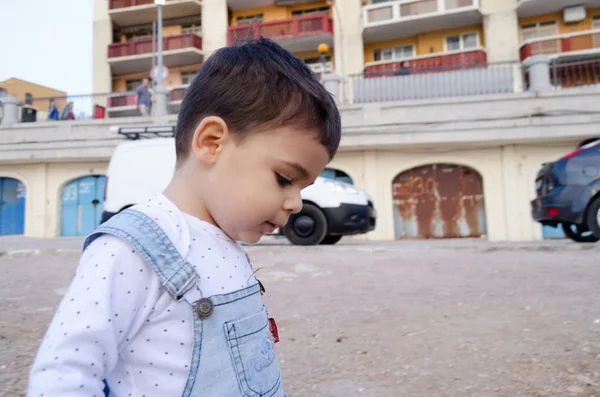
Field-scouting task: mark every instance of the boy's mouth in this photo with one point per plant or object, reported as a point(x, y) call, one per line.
point(270, 227)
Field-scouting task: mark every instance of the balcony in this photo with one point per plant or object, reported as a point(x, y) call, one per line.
point(295, 34)
point(570, 46)
point(139, 12)
point(453, 80)
point(527, 8)
point(136, 55)
point(401, 18)
point(124, 104)
point(428, 62)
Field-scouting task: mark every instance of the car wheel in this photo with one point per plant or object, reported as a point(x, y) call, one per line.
point(578, 233)
point(308, 227)
point(593, 218)
point(330, 240)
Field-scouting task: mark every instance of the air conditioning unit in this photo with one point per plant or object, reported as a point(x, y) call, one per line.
point(574, 14)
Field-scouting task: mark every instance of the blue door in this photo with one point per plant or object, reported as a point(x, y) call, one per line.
point(82, 203)
point(549, 232)
point(12, 207)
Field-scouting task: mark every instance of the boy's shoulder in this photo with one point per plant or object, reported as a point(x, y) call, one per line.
point(169, 220)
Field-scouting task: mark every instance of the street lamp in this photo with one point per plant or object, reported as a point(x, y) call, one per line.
point(160, 92)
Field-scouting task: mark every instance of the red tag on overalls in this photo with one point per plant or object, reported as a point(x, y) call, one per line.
point(274, 331)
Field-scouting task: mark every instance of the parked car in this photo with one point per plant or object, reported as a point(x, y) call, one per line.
point(568, 193)
point(141, 168)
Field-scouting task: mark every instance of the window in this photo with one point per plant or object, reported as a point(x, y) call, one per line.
point(538, 30)
point(187, 77)
point(310, 11)
point(462, 42)
point(596, 22)
point(193, 28)
point(131, 85)
point(392, 53)
point(250, 19)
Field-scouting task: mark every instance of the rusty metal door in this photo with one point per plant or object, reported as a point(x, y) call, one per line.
point(439, 201)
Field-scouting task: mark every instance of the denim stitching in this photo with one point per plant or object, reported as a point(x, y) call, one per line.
point(242, 375)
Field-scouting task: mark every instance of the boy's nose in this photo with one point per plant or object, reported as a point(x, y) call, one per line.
point(293, 204)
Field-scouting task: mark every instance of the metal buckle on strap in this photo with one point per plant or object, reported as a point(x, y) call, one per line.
point(178, 295)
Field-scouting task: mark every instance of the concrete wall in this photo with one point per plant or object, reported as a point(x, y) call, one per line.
point(348, 39)
point(501, 30)
point(508, 174)
point(102, 81)
point(44, 183)
point(214, 26)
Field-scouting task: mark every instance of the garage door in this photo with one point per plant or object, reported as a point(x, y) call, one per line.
point(12, 206)
point(439, 201)
point(81, 205)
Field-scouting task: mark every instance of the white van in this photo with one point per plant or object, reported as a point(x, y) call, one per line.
point(141, 168)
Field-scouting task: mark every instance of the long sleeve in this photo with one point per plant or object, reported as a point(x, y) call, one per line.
point(107, 301)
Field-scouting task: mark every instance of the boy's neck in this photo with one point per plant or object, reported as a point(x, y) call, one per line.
point(181, 193)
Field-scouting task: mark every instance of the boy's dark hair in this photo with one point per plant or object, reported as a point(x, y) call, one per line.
point(257, 85)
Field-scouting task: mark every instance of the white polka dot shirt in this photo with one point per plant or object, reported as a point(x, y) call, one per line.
point(116, 321)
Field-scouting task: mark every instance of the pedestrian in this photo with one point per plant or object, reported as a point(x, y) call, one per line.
point(143, 97)
point(404, 70)
point(165, 301)
point(67, 113)
point(53, 110)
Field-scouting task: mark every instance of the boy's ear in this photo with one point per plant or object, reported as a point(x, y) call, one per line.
point(209, 139)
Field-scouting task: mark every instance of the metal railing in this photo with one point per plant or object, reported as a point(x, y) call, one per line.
point(564, 75)
point(395, 11)
point(93, 106)
point(144, 46)
point(435, 60)
point(568, 42)
point(285, 28)
point(114, 4)
point(438, 82)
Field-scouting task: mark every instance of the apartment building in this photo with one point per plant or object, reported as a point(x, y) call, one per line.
point(440, 123)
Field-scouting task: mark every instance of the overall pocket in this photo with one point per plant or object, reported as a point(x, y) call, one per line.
point(253, 356)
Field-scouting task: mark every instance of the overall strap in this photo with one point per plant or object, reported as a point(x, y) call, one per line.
point(148, 239)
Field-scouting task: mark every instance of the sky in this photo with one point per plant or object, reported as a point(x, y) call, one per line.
point(48, 42)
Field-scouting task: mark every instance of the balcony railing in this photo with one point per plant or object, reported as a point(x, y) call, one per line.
point(144, 46)
point(570, 42)
point(428, 62)
point(286, 28)
point(114, 4)
point(395, 11)
point(435, 82)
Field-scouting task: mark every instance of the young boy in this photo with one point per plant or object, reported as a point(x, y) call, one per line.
point(164, 302)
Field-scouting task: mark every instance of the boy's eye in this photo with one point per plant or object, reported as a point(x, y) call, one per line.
point(282, 180)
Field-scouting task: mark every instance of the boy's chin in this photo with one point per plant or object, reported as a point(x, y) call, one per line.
point(250, 237)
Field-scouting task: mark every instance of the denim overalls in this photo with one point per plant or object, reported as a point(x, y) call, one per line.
point(233, 351)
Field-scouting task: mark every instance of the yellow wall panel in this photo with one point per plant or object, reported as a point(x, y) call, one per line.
point(426, 43)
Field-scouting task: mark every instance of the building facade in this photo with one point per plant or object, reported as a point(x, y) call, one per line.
point(445, 122)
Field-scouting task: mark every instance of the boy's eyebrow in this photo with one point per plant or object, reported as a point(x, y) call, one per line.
point(301, 170)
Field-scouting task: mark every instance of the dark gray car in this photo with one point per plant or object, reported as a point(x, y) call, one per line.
point(568, 193)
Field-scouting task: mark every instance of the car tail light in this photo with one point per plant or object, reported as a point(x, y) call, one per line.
point(552, 211)
point(580, 149)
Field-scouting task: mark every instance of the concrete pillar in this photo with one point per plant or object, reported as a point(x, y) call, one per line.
point(538, 67)
point(102, 76)
point(501, 30)
point(11, 109)
point(214, 25)
point(348, 40)
point(331, 82)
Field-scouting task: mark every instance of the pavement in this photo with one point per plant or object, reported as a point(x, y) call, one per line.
point(376, 319)
point(20, 245)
